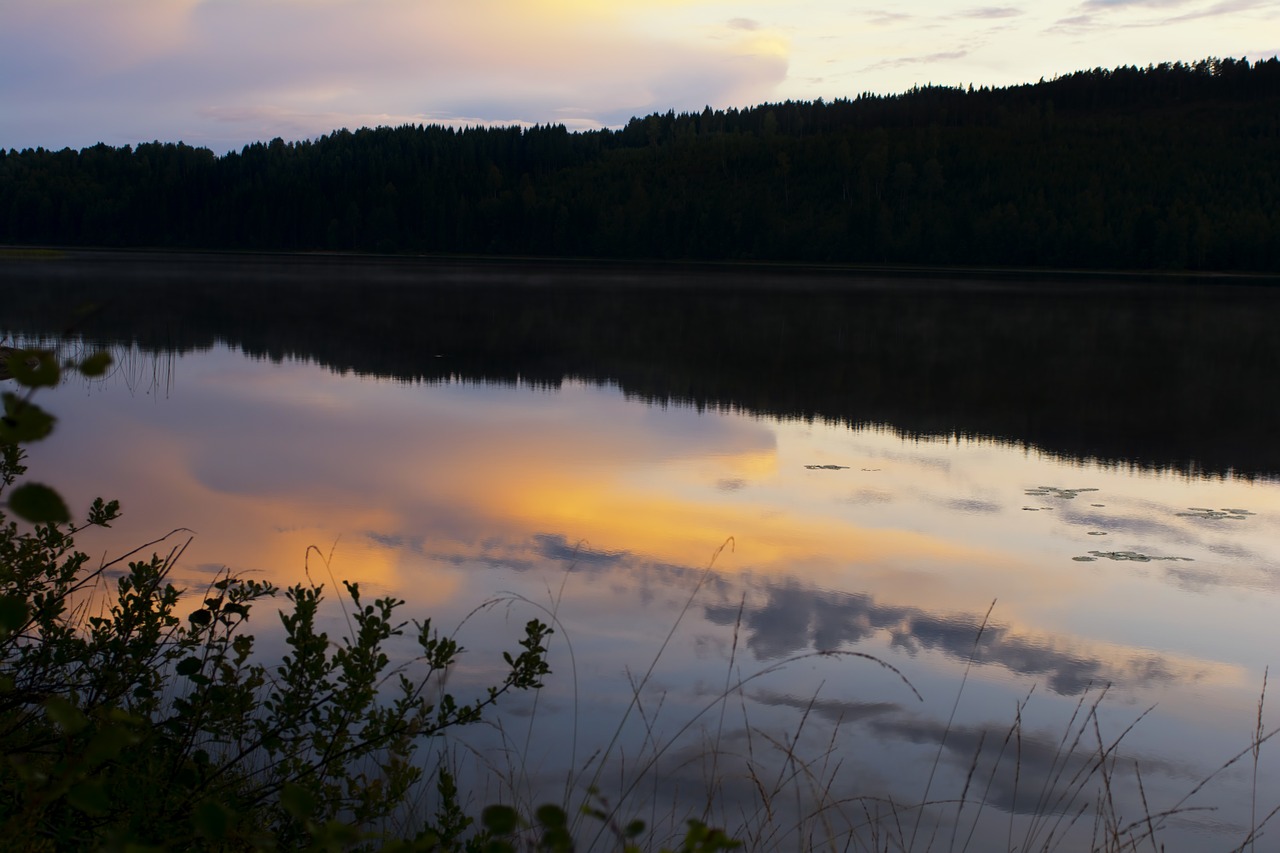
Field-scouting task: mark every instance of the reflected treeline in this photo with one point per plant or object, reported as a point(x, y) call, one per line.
point(1175, 376)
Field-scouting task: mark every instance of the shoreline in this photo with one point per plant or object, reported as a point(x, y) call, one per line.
point(532, 270)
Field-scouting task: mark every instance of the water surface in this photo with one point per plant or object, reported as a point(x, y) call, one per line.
point(1097, 524)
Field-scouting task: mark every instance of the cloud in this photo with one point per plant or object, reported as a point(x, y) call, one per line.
point(225, 72)
point(990, 12)
point(793, 619)
point(924, 59)
point(833, 710)
point(1094, 14)
point(971, 506)
point(885, 17)
point(1074, 22)
point(224, 68)
point(556, 547)
point(1030, 773)
point(1231, 7)
point(1123, 4)
point(1247, 567)
point(869, 496)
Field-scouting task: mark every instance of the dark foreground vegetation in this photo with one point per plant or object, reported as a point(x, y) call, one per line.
point(134, 718)
point(1174, 166)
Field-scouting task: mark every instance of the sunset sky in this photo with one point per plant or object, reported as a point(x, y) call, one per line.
point(222, 73)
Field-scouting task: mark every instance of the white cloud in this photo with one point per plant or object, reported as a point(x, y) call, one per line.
point(224, 72)
point(304, 67)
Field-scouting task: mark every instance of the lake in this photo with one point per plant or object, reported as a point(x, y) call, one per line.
point(875, 558)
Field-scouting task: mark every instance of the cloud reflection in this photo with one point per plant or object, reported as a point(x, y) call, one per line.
point(833, 710)
point(1021, 771)
point(794, 619)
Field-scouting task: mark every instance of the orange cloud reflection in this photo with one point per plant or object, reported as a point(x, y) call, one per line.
point(416, 489)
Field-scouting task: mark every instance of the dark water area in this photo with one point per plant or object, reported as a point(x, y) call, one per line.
point(1161, 373)
point(1157, 373)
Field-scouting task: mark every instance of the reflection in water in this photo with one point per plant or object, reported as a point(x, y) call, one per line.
point(793, 619)
point(606, 511)
point(1162, 374)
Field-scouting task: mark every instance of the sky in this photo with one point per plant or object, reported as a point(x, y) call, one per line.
point(224, 73)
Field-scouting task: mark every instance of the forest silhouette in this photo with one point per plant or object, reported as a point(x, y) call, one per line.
point(1166, 167)
point(1161, 374)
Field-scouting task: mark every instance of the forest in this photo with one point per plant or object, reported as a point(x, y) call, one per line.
point(1168, 167)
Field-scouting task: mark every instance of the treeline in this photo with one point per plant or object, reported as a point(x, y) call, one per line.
point(1174, 166)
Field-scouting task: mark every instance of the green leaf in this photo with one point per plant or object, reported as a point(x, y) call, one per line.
point(558, 840)
point(551, 816)
point(13, 614)
point(102, 514)
point(190, 666)
point(34, 368)
point(500, 820)
point(65, 715)
point(335, 835)
point(38, 504)
point(495, 845)
point(107, 743)
point(96, 364)
point(201, 617)
point(211, 820)
point(90, 798)
point(23, 421)
point(297, 801)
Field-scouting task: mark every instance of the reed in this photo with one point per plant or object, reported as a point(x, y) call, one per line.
point(771, 793)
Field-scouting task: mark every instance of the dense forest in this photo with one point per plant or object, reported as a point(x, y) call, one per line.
point(1175, 166)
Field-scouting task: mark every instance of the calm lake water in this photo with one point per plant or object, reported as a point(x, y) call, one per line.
point(813, 543)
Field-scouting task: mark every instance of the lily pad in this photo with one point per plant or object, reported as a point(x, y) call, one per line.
point(1215, 514)
point(826, 467)
point(1131, 556)
point(1056, 492)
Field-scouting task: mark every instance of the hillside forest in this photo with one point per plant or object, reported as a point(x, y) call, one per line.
point(1175, 166)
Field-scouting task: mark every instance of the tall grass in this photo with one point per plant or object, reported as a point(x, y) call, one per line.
point(787, 789)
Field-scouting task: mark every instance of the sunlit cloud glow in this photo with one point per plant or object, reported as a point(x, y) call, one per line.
point(226, 72)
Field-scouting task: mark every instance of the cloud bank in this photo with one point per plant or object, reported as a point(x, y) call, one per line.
point(223, 73)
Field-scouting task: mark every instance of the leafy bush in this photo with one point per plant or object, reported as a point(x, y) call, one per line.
point(129, 725)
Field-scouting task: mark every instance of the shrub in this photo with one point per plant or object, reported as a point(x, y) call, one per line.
point(129, 725)
point(125, 725)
